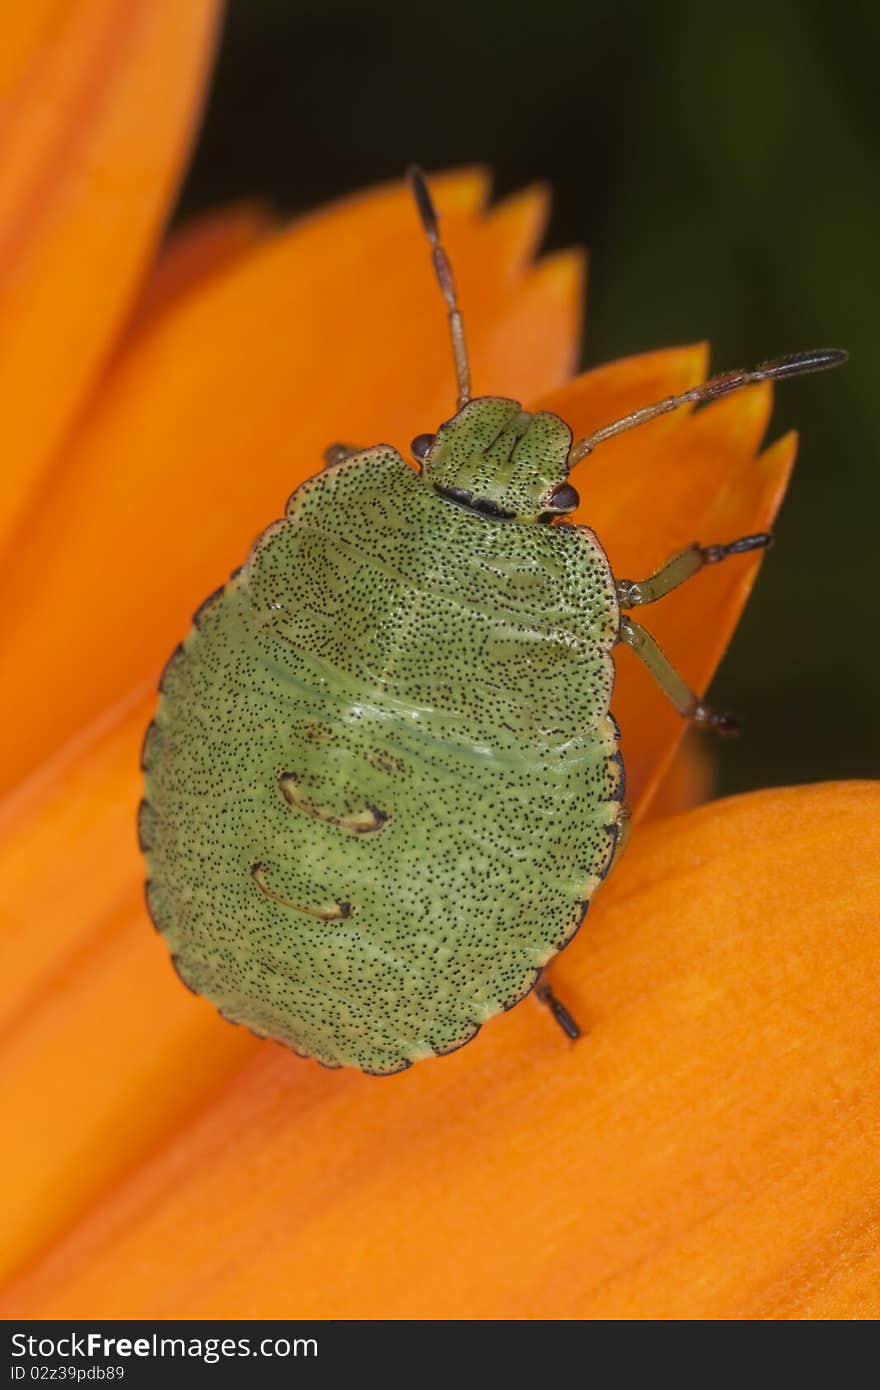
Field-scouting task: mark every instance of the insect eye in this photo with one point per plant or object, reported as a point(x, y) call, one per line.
point(421, 446)
point(564, 498)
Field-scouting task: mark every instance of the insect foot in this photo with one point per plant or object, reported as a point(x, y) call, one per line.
point(545, 994)
point(727, 725)
point(338, 453)
point(713, 553)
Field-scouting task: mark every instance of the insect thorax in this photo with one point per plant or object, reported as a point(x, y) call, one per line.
point(407, 597)
point(497, 458)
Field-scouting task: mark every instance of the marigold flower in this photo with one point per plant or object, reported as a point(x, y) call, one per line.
point(703, 1151)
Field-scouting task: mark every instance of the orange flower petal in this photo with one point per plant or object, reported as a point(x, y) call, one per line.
point(702, 1153)
point(200, 248)
point(210, 418)
point(98, 100)
point(90, 1114)
point(651, 492)
point(689, 779)
point(27, 30)
point(94, 1024)
point(69, 857)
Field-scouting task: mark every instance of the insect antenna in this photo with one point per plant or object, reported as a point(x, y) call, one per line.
point(443, 271)
point(795, 364)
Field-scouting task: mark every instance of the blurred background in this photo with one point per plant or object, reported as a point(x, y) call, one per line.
point(721, 164)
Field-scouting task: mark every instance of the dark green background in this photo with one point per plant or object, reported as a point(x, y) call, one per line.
point(721, 164)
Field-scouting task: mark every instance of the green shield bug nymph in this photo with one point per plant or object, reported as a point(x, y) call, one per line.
point(382, 781)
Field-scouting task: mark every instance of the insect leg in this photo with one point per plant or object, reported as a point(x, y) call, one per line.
point(557, 1009)
point(336, 453)
point(689, 705)
point(632, 593)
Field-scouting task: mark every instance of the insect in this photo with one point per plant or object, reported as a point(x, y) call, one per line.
point(382, 782)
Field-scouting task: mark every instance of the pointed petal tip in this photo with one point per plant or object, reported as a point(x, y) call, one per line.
point(524, 215)
point(737, 423)
point(563, 273)
point(199, 248)
point(467, 188)
point(777, 462)
point(474, 176)
point(786, 445)
point(604, 393)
